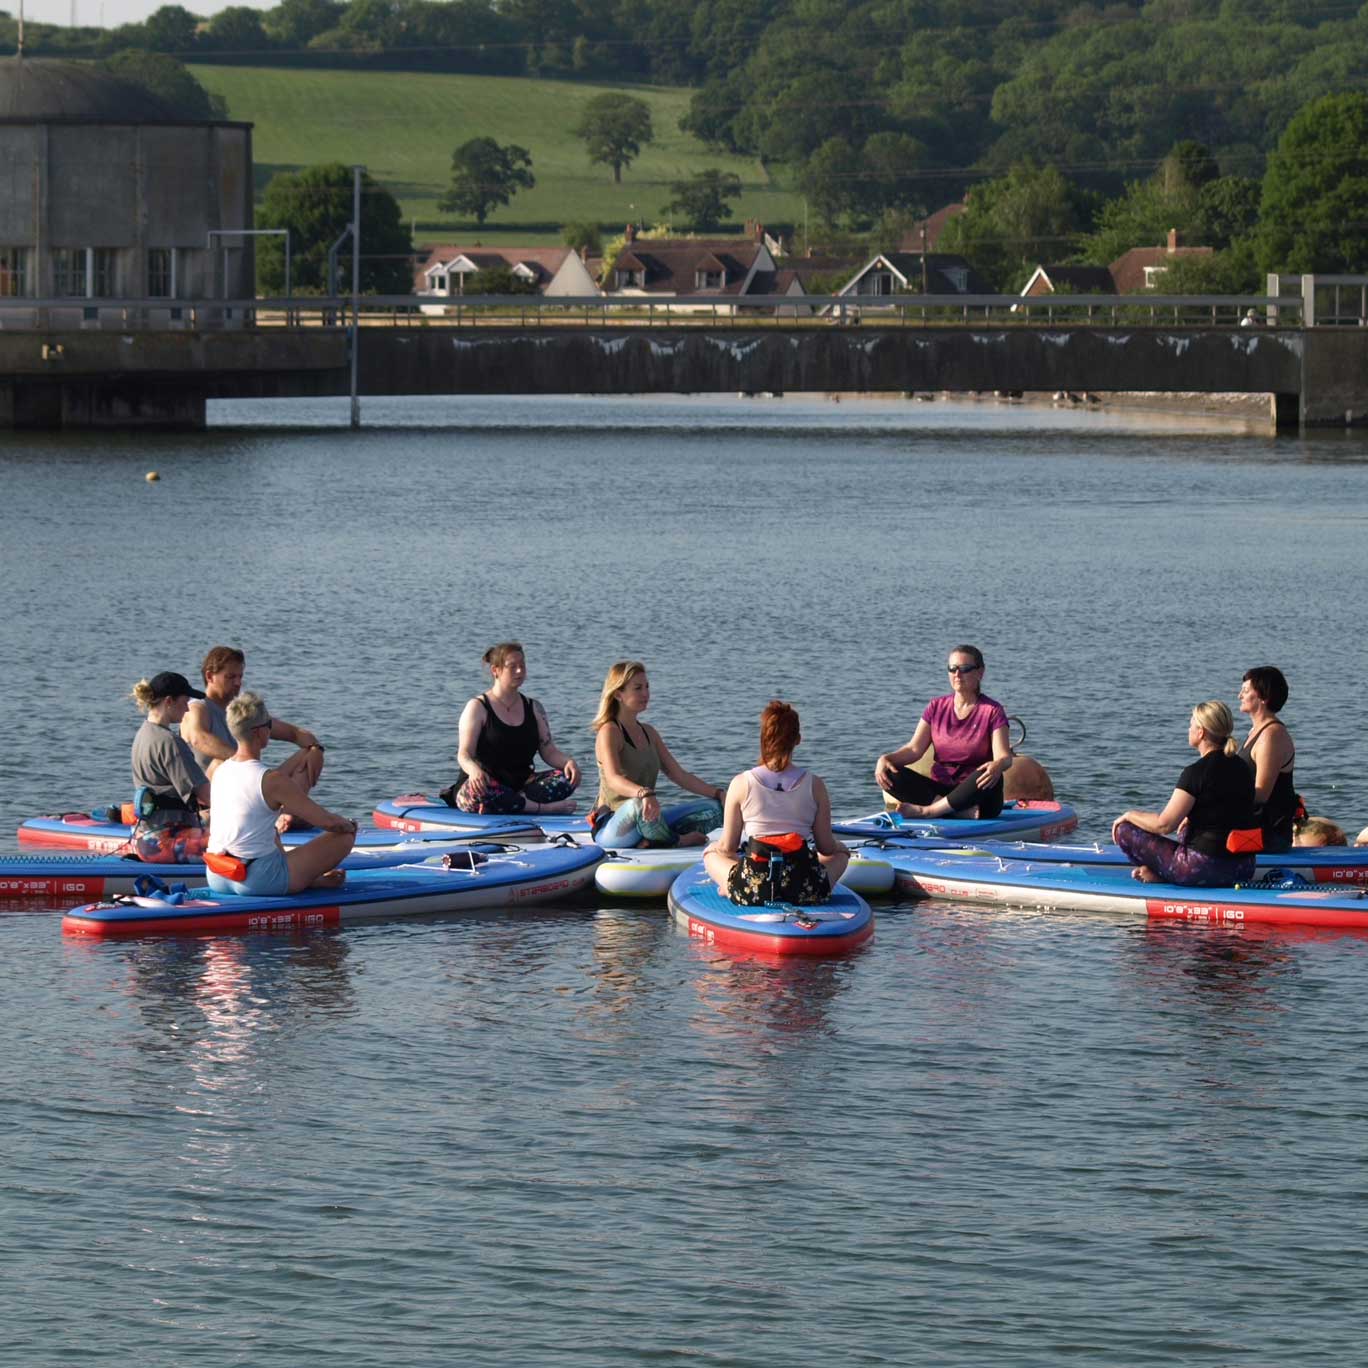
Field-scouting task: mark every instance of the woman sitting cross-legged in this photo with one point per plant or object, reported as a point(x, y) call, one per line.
point(1214, 806)
point(781, 812)
point(245, 855)
point(969, 732)
point(631, 755)
point(502, 733)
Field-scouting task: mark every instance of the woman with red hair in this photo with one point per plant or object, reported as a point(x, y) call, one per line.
point(781, 813)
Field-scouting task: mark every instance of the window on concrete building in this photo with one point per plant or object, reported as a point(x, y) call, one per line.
point(14, 272)
point(69, 271)
point(161, 272)
point(102, 272)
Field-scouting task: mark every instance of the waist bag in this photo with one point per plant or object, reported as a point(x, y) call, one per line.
point(782, 868)
point(226, 866)
point(1245, 841)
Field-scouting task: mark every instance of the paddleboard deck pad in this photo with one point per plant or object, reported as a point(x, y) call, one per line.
point(418, 812)
point(1019, 820)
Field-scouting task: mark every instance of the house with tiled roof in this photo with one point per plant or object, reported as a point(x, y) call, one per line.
point(673, 268)
point(925, 234)
point(1142, 268)
point(552, 271)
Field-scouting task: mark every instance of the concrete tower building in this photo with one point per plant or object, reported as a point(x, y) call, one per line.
point(106, 192)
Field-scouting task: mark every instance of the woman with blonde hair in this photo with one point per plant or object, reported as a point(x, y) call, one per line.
point(169, 787)
point(782, 813)
point(502, 733)
point(631, 755)
point(1213, 804)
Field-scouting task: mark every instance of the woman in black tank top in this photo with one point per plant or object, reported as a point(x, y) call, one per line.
point(1269, 752)
point(502, 734)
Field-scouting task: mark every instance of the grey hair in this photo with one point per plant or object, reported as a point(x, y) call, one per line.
point(246, 712)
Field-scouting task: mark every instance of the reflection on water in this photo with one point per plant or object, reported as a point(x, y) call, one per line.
point(986, 1137)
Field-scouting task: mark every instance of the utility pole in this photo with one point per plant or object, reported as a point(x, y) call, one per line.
point(923, 255)
point(356, 291)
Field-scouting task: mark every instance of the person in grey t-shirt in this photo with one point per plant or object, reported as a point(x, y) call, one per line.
point(170, 787)
point(206, 724)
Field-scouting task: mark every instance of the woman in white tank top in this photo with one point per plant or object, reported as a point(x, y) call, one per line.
point(775, 802)
point(247, 798)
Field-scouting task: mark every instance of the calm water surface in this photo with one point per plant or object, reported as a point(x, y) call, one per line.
point(571, 1134)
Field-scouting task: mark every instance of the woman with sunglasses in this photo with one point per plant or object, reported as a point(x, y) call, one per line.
point(969, 731)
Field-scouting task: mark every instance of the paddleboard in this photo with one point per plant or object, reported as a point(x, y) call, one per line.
point(511, 880)
point(1034, 820)
point(1048, 886)
point(829, 928)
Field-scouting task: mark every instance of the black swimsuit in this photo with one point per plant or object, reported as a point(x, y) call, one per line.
point(1275, 815)
point(506, 752)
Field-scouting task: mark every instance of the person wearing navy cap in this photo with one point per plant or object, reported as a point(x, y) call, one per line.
point(169, 786)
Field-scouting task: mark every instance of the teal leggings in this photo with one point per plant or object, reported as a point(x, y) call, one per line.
point(627, 828)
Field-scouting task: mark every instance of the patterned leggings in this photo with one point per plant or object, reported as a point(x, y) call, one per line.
point(1180, 864)
point(627, 827)
point(489, 796)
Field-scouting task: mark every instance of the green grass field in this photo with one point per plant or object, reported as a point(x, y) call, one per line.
point(403, 127)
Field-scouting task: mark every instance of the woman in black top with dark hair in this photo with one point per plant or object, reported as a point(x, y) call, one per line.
point(1269, 752)
point(502, 733)
point(1214, 798)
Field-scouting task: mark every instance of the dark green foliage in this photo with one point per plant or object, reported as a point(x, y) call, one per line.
point(485, 175)
point(316, 205)
point(704, 200)
point(614, 128)
point(497, 280)
point(1012, 224)
point(585, 238)
point(1314, 210)
point(166, 77)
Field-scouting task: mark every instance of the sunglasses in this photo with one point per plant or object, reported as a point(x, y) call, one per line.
point(962, 669)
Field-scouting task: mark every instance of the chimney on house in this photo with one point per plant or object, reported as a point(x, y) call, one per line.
point(630, 235)
point(757, 231)
point(1173, 240)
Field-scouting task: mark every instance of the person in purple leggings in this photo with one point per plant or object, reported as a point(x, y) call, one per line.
point(1214, 797)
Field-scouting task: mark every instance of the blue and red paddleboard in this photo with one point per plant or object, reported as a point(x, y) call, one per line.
point(828, 928)
point(1316, 864)
point(97, 876)
point(1019, 820)
point(1046, 886)
point(519, 879)
point(418, 812)
point(95, 833)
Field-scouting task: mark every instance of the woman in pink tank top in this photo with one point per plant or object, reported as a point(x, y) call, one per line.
point(781, 812)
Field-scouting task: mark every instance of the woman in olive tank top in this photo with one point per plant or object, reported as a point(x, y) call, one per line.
point(631, 755)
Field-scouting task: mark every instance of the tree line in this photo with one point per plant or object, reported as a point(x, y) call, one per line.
point(876, 101)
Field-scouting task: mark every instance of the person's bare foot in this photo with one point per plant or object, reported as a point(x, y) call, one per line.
point(693, 838)
point(566, 805)
point(284, 822)
point(909, 810)
point(1145, 874)
point(334, 878)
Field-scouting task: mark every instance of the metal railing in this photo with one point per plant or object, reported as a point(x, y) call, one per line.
point(709, 312)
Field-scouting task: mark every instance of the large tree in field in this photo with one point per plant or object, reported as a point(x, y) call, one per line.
point(315, 205)
point(485, 175)
point(615, 127)
point(704, 200)
point(1314, 211)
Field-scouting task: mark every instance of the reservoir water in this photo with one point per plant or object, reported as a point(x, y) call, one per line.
point(572, 1135)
